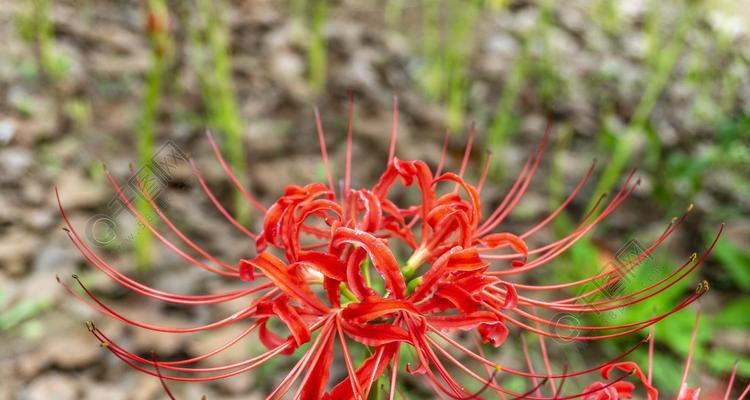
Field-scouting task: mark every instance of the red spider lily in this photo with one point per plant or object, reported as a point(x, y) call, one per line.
point(320, 251)
point(624, 390)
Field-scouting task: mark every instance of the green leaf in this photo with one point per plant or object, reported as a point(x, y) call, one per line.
point(734, 314)
point(736, 263)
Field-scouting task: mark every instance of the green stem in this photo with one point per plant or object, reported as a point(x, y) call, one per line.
point(665, 60)
point(146, 130)
point(348, 293)
point(215, 73)
point(316, 52)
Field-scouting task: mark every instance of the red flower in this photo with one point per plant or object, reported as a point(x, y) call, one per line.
point(624, 390)
point(327, 269)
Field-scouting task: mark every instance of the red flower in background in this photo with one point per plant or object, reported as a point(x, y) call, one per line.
point(624, 390)
point(327, 269)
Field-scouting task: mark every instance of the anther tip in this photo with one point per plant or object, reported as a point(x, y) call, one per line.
point(66, 229)
point(690, 207)
point(58, 278)
point(498, 368)
point(75, 276)
point(90, 326)
point(703, 287)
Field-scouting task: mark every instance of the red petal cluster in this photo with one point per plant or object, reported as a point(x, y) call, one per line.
point(356, 266)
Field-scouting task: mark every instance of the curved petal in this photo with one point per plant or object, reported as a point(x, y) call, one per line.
point(450, 323)
point(495, 332)
point(380, 254)
point(292, 284)
point(375, 334)
point(293, 320)
point(631, 367)
point(375, 307)
point(272, 340)
point(326, 263)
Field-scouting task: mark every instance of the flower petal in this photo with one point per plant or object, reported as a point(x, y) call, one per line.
point(381, 256)
point(272, 340)
point(631, 367)
point(375, 307)
point(292, 319)
point(327, 264)
point(373, 367)
point(375, 334)
point(292, 284)
point(247, 273)
point(450, 323)
point(495, 332)
point(316, 385)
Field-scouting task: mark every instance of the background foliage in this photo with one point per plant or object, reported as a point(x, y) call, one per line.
point(661, 86)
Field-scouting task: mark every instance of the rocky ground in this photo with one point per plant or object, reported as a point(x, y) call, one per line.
point(55, 131)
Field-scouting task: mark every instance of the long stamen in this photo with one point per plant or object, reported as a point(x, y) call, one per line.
point(490, 225)
point(159, 236)
point(692, 348)
point(228, 216)
point(744, 393)
point(95, 260)
point(348, 162)
point(561, 207)
point(545, 359)
point(467, 151)
point(443, 153)
point(652, 334)
point(160, 213)
point(232, 176)
point(731, 381)
point(485, 170)
point(356, 387)
point(490, 373)
point(532, 374)
point(555, 252)
point(327, 342)
point(323, 151)
point(394, 373)
point(131, 360)
point(394, 131)
point(511, 193)
point(161, 378)
point(105, 267)
point(529, 364)
point(550, 251)
point(238, 316)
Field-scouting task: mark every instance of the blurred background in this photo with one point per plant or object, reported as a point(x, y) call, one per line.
point(660, 86)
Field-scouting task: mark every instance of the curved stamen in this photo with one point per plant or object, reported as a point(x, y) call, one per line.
point(348, 162)
point(228, 216)
point(323, 151)
point(691, 349)
point(394, 131)
point(159, 236)
point(174, 229)
point(232, 176)
point(531, 373)
point(104, 309)
point(467, 151)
